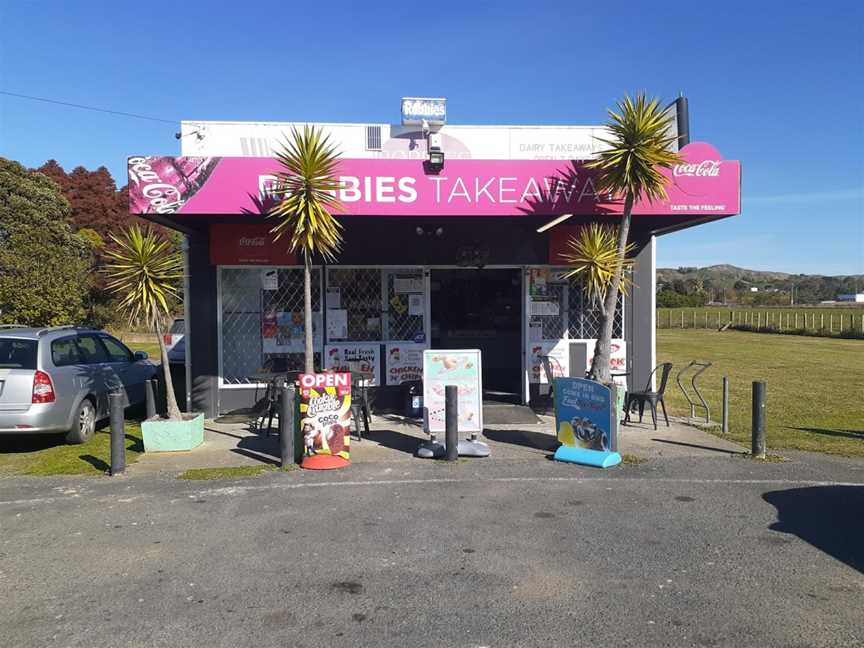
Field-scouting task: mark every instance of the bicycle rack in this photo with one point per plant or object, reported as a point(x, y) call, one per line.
point(693, 404)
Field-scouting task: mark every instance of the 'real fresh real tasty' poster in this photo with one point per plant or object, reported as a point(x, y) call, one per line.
point(325, 419)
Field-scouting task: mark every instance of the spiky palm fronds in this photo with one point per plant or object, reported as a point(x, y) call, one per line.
point(639, 145)
point(143, 271)
point(593, 256)
point(306, 188)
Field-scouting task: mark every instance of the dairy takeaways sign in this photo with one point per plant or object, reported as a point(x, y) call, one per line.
point(386, 187)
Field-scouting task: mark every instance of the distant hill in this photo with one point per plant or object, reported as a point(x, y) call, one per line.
point(724, 277)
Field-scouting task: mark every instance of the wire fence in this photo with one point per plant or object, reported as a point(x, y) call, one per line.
point(815, 322)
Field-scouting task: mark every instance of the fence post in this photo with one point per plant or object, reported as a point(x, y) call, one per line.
point(286, 426)
point(725, 419)
point(796, 321)
point(682, 318)
point(759, 321)
point(451, 421)
point(831, 323)
point(821, 321)
point(694, 318)
point(758, 420)
point(118, 433)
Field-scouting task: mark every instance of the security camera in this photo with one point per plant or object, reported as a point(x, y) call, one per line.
point(178, 135)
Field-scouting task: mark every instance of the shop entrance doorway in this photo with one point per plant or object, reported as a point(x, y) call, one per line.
point(482, 309)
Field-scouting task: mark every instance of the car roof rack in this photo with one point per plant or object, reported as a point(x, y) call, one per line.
point(72, 327)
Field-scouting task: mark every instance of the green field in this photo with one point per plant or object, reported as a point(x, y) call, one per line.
point(824, 320)
point(815, 386)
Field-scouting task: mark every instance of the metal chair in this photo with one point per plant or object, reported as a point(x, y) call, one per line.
point(650, 397)
point(546, 361)
point(359, 404)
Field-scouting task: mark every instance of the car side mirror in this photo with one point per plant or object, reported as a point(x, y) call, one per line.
point(141, 355)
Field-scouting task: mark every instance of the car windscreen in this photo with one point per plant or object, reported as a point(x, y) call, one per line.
point(178, 327)
point(18, 354)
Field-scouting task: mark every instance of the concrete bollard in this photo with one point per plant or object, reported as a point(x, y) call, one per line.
point(118, 433)
point(758, 422)
point(286, 426)
point(451, 422)
point(150, 396)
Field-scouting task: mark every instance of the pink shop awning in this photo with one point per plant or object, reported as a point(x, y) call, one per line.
point(706, 186)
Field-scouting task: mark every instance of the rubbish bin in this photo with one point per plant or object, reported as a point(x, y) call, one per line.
point(413, 395)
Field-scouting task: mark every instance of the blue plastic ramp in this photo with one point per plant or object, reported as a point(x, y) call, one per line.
point(598, 458)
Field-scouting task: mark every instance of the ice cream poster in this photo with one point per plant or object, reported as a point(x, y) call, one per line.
point(583, 413)
point(325, 419)
point(460, 367)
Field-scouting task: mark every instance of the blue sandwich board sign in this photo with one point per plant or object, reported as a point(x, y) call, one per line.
point(584, 422)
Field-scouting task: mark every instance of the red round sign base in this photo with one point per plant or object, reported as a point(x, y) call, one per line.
point(324, 462)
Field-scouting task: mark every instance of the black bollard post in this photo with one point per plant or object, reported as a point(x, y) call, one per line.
point(118, 433)
point(758, 447)
point(451, 421)
point(150, 395)
point(286, 426)
point(725, 427)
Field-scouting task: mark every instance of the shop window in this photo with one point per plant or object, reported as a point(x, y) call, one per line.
point(353, 304)
point(263, 321)
point(560, 310)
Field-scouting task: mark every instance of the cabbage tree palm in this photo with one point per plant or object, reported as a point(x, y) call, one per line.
point(638, 146)
point(592, 254)
point(143, 271)
point(306, 199)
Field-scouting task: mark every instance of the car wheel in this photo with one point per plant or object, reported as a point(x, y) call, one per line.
point(85, 424)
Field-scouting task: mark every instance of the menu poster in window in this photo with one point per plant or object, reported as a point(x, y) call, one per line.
point(539, 278)
point(334, 297)
point(544, 308)
point(404, 362)
point(353, 356)
point(415, 305)
point(325, 419)
point(270, 280)
point(337, 324)
point(460, 367)
point(283, 332)
point(409, 284)
point(559, 360)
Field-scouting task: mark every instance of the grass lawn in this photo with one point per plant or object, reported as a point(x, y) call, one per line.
point(814, 386)
point(230, 472)
point(44, 455)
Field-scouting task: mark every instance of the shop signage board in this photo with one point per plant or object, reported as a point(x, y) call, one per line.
point(325, 419)
point(354, 356)
point(404, 362)
point(583, 414)
point(460, 367)
point(703, 185)
point(248, 244)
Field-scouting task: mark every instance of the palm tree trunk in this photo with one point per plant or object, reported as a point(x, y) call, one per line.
point(307, 308)
point(603, 349)
point(170, 399)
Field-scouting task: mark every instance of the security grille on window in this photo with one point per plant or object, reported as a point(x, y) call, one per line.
point(406, 306)
point(561, 309)
point(354, 297)
point(263, 321)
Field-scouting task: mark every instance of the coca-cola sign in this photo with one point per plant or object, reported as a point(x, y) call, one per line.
point(706, 168)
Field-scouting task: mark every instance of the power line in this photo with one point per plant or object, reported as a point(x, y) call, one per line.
point(93, 108)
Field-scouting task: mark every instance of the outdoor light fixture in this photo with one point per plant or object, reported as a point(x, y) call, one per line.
point(553, 223)
point(436, 152)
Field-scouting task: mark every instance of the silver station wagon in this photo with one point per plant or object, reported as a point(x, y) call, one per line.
point(58, 379)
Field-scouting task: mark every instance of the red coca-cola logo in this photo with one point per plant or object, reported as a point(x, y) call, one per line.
point(256, 241)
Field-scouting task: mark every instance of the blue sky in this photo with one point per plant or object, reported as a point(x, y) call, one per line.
point(779, 86)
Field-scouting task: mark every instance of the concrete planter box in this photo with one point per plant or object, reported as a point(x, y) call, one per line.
point(162, 435)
